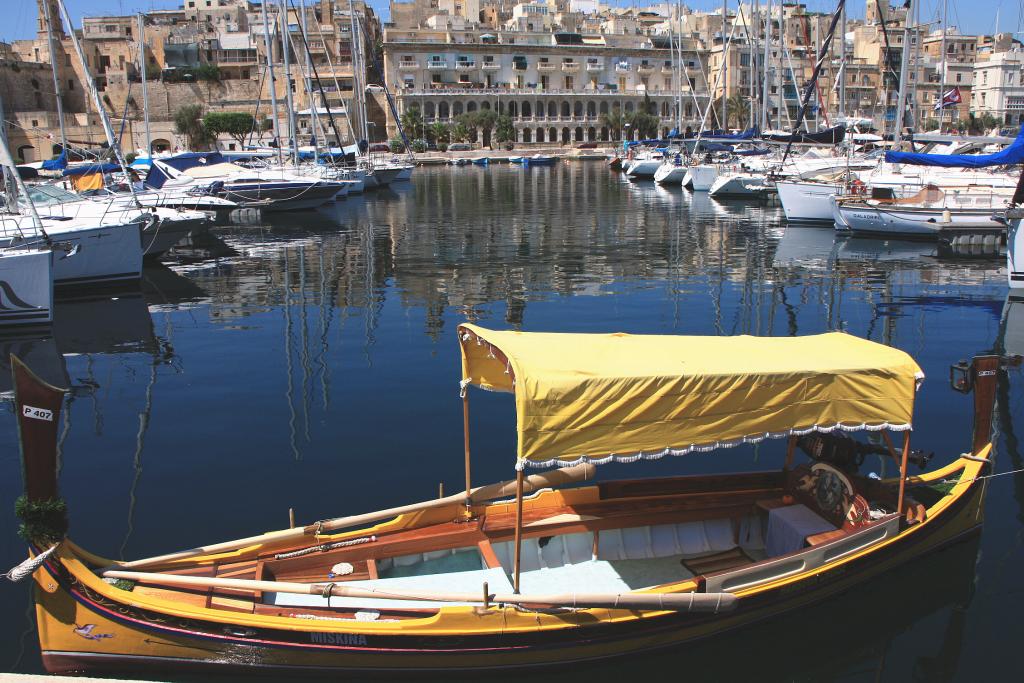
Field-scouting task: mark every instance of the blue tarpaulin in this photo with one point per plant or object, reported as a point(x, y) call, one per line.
point(91, 168)
point(58, 163)
point(1014, 154)
point(180, 162)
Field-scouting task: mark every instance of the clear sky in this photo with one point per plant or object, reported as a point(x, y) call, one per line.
point(971, 16)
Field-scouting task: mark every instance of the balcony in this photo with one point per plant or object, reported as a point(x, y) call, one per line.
point(667, 69)
point(545, 66)
point(490, 66)
point(437, 66)
point(645, 69)
point(622, 68)
point(465, 66)
point(408, 65)
point(570, 67)
point(595, 66)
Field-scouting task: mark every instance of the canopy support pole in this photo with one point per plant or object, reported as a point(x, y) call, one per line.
point(519, 532)
point(903, 470)
point(890, 446)
point(465, 443)
point(790, 451)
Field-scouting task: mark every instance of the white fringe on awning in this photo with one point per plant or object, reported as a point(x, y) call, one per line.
point(706, 448)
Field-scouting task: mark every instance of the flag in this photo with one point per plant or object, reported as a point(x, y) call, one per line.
point(951, 97)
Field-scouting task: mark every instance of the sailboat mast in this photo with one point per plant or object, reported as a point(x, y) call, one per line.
point(942, 76)
point(725, 68)
point(286, 48)
point(7, 161)
point(842, 65)
point(901, 97)
point(145, 94)
point(313, 118)
point(766, 64)
point(273, 83)
point(115, 146)
point(56, 81)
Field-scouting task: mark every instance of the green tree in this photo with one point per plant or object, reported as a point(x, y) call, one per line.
point(438, 132)
point(459, 132)
point(235, 124)
point(188, 121)
point(504, 130)
point(470, 123)
point(614, 122)
point(646, 125)
point(486, 119)
point(412, 122)
point(736, 110)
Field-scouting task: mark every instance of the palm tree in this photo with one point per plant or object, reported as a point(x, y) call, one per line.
point(613, 121)
point(412, 122)
point(736, 109)
point(439, 131)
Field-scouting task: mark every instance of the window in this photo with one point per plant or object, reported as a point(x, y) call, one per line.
point(959, 77)
point(35, 123)
point(71, 84)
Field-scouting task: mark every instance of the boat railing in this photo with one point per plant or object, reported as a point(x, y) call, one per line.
point(804, 560)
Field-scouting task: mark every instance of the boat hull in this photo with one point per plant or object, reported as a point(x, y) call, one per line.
point(700, 178)
point(95, 257)
point(643, 169)
point(670, 175)
point(281, 196)
point(1015, 250)
point(122, 637)
point(26, 288)
point(892, 221)
point(806, 201)
point(161, 236)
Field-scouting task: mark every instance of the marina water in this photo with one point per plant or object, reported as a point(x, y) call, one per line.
point(313, 365)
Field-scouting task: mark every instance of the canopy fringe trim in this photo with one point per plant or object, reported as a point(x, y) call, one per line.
point(708, 447)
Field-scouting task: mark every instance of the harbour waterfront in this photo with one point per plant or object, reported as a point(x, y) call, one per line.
point(315, 367)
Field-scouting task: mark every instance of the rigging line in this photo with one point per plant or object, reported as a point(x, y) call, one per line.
point(316, 74)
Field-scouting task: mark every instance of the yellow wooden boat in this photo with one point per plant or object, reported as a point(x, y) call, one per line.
point(544, 570)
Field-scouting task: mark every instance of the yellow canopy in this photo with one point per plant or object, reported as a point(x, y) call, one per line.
point(603, 397)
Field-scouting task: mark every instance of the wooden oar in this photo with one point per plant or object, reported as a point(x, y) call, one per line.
point(676, 602)
point(559, 477)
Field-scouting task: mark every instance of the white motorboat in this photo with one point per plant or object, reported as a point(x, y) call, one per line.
point(26, 287)
point(267, 189)
point(808, 200)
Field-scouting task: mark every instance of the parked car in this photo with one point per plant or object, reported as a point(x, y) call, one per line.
point(380, 147)
point(587, 145)
point(460, 147)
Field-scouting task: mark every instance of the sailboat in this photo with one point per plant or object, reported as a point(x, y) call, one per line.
point(546, 570)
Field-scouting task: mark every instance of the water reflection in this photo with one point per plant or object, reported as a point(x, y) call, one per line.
point(308, 361)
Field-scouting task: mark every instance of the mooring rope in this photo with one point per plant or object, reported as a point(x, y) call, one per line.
point(324, 547)
point(30, 565)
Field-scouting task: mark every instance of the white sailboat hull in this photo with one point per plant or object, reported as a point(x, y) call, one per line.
point(643, 168)
point(893, 221)
point(807, 201)
point(1015, 250)
point(741, 185)
point(26, 287)
point(669, 174)
point(700, 178)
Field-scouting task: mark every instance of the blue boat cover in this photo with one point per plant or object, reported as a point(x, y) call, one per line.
point(180, 162)
point(752, 152)
point(1014, 154)
point(58, 163)
point(91, 168)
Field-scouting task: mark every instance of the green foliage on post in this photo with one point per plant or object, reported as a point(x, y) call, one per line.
point(412, 122)
point(397, 146)
point(44, 521)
